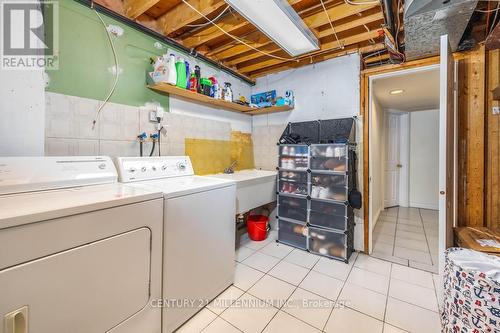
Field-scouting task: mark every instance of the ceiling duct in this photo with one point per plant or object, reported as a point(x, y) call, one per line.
point(425, 21)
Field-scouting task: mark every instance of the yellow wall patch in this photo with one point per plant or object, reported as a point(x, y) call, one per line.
point(213, 156)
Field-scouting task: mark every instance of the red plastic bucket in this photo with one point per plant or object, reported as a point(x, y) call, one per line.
point(257, 227)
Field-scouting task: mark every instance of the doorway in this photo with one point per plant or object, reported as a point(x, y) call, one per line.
point(404, 165)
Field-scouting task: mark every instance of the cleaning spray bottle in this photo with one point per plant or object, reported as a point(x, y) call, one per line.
point(228, 92)
point(181, 73)
point(197, 75)
point(188, 76)
point(172, 72)
point(193, 82)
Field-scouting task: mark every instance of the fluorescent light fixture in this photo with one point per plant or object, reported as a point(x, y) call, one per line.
point(280, 22)
point(396, 91)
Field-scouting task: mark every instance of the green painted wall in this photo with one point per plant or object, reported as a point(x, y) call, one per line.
point(85, 56)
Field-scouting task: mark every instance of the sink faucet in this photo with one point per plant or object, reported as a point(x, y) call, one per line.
point(230, 169)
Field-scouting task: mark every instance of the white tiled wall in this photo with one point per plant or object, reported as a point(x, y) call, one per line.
point(69, 128)
point(265, 149)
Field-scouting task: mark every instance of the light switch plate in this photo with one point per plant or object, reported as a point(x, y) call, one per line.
point(496, 110)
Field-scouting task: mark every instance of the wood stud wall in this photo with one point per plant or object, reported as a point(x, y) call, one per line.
point(493, 143)
point(471, 138)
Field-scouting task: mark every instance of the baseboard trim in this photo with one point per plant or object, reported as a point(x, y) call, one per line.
point(424, 205)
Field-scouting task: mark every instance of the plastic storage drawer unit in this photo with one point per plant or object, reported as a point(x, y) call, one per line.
point(329, 157)
point(291, 233)
point(327, 243)
point(329, 186)
point(293, 182)
point(331, 215)
point(292, 208)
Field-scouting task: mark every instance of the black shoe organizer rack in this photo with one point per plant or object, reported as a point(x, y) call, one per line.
point(315, 177)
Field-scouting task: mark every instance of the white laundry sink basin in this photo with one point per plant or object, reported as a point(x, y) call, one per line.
point(254, 188)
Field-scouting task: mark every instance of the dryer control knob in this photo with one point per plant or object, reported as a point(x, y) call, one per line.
point(164, 167)
point(181, 166)
point(143, 169)
point(132, 170)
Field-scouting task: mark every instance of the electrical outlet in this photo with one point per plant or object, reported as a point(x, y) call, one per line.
point(152, 116)
point(496, 110)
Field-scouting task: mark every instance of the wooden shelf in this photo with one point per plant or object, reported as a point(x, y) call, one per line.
point(271, 109)
point(219, 103)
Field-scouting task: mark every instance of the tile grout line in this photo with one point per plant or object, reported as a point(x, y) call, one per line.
point(395, 234)
point(387, 298)
point(246, 291)
point(296, 287)
point(425, 234)
point(340, 293)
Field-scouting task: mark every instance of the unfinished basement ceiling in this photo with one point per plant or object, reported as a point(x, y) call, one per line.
point(358, 28)
point(421, 91)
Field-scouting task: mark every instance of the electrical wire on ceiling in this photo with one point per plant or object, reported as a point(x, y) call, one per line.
point(373, 54)
point(488, 11)
point(399, 26)
point(361, 3)
point(236, 38)
point(115, 82)
point(208, 23)
point(494, 20)
point(341, 45)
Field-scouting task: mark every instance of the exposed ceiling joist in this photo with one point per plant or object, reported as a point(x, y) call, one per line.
point(181, 15)
point(336, 13)
point(314, 59)
point(229, 23)
point(328, 46)
point(135, 8)
point(339, 28)
point(356, 26)
point(377, 58)
point(342, 11)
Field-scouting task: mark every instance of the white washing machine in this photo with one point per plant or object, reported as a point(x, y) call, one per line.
point(199, 232)
point(79, 252)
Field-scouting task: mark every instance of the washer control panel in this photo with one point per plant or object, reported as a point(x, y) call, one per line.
point(144, 168)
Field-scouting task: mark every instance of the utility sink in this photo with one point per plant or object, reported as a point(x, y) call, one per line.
point(254, 188)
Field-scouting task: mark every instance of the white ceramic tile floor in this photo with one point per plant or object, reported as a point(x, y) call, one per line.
point(303, 292)
point(414, 241)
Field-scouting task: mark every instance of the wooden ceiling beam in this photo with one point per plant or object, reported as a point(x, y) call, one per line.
point(377, 58)
point(134, 8)
point(328, 46)
point(372, 48)
point(230, 23)
point(307, 61)
point(336, 13)
point(256, 39)
point(181, 15)
point(114, 5)
point(339, 28)
point(352, 24)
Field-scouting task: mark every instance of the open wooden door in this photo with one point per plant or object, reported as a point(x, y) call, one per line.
point(446, 149)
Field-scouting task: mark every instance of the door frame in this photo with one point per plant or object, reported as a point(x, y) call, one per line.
point(367, 78)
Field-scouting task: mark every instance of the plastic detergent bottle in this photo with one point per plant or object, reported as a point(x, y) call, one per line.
point(181, 73)
point(172, 72)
